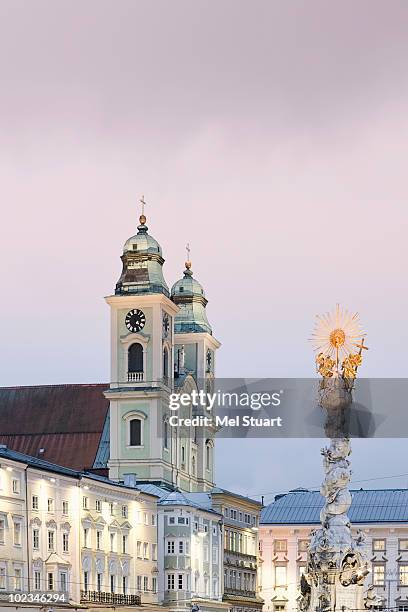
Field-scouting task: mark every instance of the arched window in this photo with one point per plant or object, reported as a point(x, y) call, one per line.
point(135, 358)
point(165, 363)
point(166, 434)
point(208, 446)
point(193, 465)
point(135, 432)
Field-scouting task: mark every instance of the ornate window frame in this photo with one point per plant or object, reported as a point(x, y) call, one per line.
point(209, 444)
point(126, 342)
point(130, 416)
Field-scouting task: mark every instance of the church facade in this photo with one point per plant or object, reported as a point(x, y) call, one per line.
point(160, 340)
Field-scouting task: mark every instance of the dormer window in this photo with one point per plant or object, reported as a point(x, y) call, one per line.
point(134, 246)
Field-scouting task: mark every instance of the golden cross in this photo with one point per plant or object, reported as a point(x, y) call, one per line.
point(188, 251)
point(361, 346)
point(143, 203)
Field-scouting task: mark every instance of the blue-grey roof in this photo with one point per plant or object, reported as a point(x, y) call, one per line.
point(38, 463)
point(142, 242)
point(368, 506)
point(103, 452)
point(175, 498)
point(63, 471)
point(189, 296)
point(193, 500)
point(238, 495)
point(188, 286)
point(199, 500)
point(142, 265)
point(153, 489)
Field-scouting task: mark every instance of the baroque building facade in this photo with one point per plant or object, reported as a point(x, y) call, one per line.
point(76, 535)
point(13, 526)
point(285, 531)
point(241, 524)
point(161, 340)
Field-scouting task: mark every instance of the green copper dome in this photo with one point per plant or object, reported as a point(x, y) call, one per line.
point(142, 242)
point(142, 260)
point(189, 296)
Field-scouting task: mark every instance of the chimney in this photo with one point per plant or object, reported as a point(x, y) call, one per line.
point(130, 480)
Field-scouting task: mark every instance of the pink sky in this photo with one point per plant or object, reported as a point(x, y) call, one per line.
point(272, 136)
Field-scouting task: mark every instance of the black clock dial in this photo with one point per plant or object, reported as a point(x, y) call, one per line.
point(135, 320)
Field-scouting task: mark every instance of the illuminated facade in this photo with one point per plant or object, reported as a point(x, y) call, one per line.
point(285, 529)
point(13, 525)
point(156, 531)
point(85, 537)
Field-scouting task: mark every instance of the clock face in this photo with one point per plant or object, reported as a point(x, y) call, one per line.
point(135, 320)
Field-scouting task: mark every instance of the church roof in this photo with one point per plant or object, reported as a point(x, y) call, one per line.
point(142, 242)
point(189, 296)
point(142, 261)
point(368, 506)
point(65, 421)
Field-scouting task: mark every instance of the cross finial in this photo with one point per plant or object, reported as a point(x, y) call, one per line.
point(361, 346)
point(188, 262)
point(142, 217)
point(143, 203)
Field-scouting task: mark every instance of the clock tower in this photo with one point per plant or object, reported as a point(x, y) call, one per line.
point(142, 349)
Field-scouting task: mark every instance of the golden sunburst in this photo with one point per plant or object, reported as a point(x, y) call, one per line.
point(337, 333)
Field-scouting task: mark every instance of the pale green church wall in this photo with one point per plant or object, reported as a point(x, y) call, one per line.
point(184, 484)
point(135, 452)
point(146, 331)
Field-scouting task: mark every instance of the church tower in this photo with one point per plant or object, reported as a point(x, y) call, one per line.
point(194, 356)
point(142, 341)
point(149, 326)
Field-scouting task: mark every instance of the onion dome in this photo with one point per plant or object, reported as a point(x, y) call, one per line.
point(142, 264)
point(189, 295)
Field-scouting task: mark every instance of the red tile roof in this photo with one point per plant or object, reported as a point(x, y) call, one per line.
point(65, 420)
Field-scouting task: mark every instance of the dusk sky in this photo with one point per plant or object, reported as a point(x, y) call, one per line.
point(272, 136)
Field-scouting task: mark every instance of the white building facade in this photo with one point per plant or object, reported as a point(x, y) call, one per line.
point(286, 524)
point(190, 537)
point(13, 525)
point(81, 536)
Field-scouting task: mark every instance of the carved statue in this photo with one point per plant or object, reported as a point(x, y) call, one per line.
point(371, 599)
